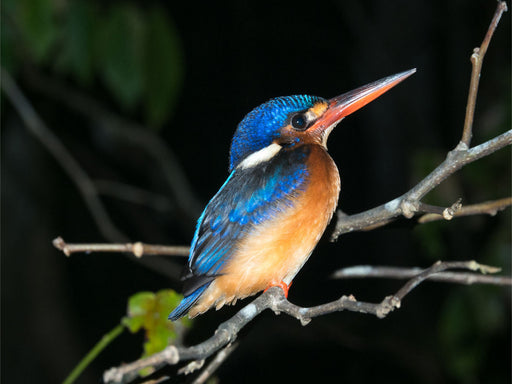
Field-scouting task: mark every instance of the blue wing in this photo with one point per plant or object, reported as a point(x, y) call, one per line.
point(248, 197)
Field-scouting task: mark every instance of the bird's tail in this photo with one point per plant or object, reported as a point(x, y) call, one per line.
point(187, 303)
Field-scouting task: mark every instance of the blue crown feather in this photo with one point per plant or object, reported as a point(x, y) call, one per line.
point(263, 124)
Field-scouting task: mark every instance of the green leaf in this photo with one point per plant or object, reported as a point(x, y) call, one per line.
point(163, 67)
point(158, 339)
point(134, 324)
point(139, 306)
point(471, 319)
point(37, 23)
point(141, 303)
point(119, 50)
point(149, 311)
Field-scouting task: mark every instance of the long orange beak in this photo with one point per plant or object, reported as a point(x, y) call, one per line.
point(349, 102)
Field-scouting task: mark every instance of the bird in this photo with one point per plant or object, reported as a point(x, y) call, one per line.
point(281, 193)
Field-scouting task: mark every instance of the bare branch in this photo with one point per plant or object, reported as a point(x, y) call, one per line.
point(125, 373)
point(275, 300)
point(409, 203)
point(488, 208)
point(221, 356)
point(369, 271)
point(477, 59)
point(445, 213)
point(137, 249)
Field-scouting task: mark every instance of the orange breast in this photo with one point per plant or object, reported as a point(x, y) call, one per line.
point(276, 250)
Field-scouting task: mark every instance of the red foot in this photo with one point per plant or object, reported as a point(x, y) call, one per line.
point(282, 285)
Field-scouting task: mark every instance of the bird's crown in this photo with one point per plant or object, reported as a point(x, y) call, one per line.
point(264, 124)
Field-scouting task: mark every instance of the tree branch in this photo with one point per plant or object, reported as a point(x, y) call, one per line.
point(409, 203)
point(370, 271)
point(219, 358)
point(477, 59)
point(275, 300)
point(141, 249)
point(137, 249)
point(486, 208)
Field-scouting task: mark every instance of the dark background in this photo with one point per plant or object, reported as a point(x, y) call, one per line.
point(232, 57)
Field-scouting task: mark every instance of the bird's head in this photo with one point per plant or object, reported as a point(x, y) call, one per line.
point(300, 119)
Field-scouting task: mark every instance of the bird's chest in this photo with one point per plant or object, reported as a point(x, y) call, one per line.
point(276, 249)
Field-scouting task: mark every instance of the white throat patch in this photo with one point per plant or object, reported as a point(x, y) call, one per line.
point(260, 156)
point(328, 131)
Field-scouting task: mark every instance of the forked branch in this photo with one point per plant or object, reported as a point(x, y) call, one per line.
point(409, 203)
point(275, 300)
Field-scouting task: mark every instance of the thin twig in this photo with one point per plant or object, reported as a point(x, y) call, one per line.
point(370, 271)
point(137, 249)
point(275, 300)
point(124, 374)
point(446, 213)
point(440, 267)
point(477, 59)
point(409, 203)
point(219, 358)
point(486, 208)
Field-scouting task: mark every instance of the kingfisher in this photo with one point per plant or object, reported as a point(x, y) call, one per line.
point(282, 190)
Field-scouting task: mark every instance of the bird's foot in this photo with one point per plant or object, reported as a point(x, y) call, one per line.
point(280, 284)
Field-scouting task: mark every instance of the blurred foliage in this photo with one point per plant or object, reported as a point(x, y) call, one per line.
point(136, 53)
point(149, 311)
point(471, 319)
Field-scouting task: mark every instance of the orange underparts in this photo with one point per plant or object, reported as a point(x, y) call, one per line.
point(281, 285)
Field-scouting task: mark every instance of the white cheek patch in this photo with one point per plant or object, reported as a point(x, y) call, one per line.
point(260, 156)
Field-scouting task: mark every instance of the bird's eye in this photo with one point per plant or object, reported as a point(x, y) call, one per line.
point(299, 122)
